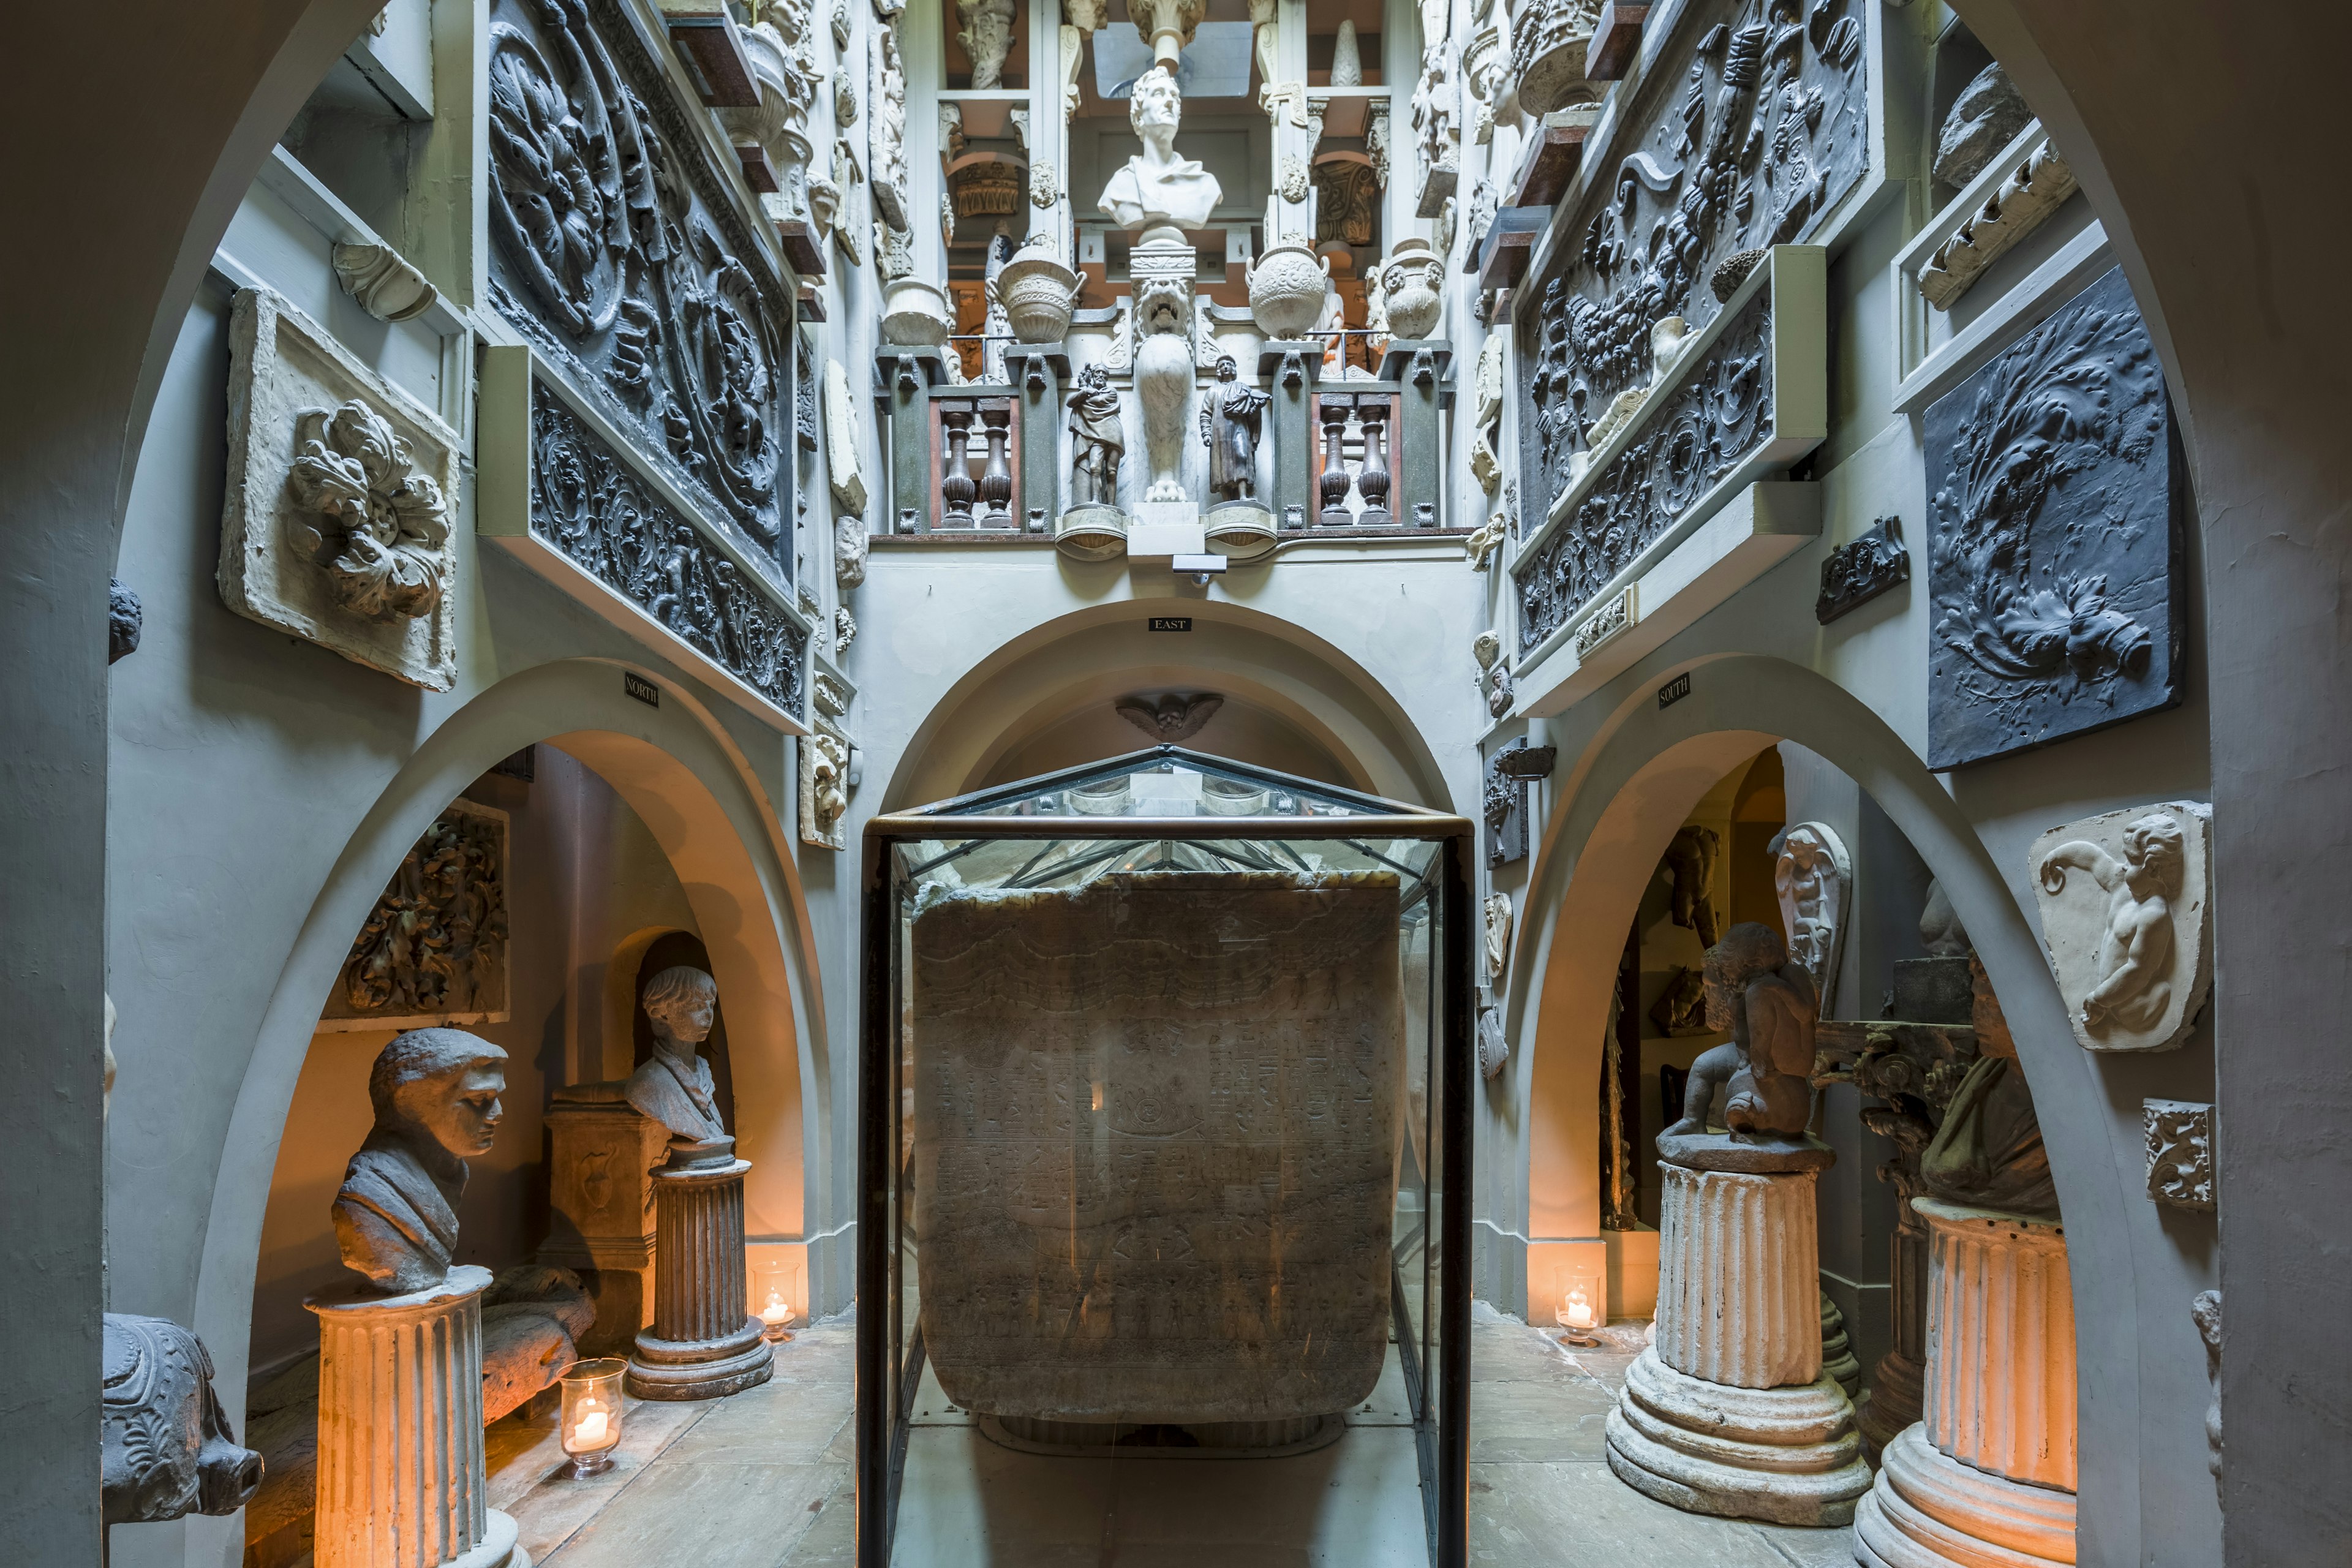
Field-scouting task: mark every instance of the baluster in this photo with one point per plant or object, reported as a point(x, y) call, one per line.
point(1372, 479)
point(996, 480)
point(956, 486)
point(1335, 481)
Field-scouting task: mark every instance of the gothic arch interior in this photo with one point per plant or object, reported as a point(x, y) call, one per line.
point(904, 782)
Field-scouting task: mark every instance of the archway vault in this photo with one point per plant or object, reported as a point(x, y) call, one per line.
point(1048, 694)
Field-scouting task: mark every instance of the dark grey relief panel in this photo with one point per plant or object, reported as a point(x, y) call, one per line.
point(618, 253)
point(1751, 128)
point(2054, 537)
point(588, 503)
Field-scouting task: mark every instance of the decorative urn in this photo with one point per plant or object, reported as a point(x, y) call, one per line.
point(1037, 293)
point(1287, 288)
point(1413, 281)
point(1549, 39)
point(914, 314)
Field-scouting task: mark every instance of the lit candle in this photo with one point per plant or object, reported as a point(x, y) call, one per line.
point(1579, 1310)
point(590, 1431)
point(776, 1313)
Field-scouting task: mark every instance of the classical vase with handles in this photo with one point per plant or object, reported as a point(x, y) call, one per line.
point(1413, 281)
point(1037, 292)
point(1286, 290)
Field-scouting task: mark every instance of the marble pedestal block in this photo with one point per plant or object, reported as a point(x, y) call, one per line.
point(1988, 1474)
point(401, 1481)
point(704, 1343)
point(1729, 1411)
point(600, 1203)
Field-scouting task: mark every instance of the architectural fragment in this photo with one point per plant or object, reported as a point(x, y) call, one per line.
point(1858, 572)
point(1497, 928)
point(165, 1446)
point(1172, 716)
point(382, 282)
point(434, 949)
point(826, 776)
point(2053, 537)
point(2037, 188)
point(845, 461)
point(2179, 1153)
point(1549, 39)
point(601, 1149)
point(336, 523)
point(1813, 877)
point(2125, 900)
point(1985, 118)
point(650, 296)
point(1509, 771)
point(986, 35)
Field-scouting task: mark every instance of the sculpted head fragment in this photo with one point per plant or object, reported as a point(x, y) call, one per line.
point(683, 1002)
point(441, 1085)
point(1156, 102)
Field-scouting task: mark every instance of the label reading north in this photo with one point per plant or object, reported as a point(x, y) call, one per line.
point(1171, 623)
point(638, 687)
point(1674, 690)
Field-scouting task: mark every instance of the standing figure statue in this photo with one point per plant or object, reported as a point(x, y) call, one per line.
point(1230, 420)
point(436, 1096)
point(1766, 1004)
point(674, 1085)
point(1097, 441)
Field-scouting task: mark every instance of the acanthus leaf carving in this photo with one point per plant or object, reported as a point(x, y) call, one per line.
point(362, 498)
point(433, 951)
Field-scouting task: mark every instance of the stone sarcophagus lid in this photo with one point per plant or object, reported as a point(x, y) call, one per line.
point(1154, 1143)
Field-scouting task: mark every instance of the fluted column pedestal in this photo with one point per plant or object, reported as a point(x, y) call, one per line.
point(1988, 1474)
point(1729, 1412)
point(1898, 1384)
point(401, 1481)
point(704, 1343)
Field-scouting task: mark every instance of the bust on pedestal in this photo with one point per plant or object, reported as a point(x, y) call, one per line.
point(1729, 1411)
point(705, 1342)
point(401, 1479)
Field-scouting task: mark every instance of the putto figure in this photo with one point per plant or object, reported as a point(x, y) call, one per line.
point(674, 1085)
point(1097, 440)
point(1230, 420)
point(436, 1096)
point(1767, 1003)
point(2135, 984)
point(1156, 188)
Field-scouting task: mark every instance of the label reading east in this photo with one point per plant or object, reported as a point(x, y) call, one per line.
point(638, 687)
point(1674, 690)
point(1171, 623)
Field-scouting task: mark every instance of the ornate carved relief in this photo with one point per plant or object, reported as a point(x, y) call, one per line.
point(1170, 717)
point(2126, 903)
point(336, 526)
point(1346, 203)
point(386, 286)
point(165, 1446)
point(1765, 134)
point(1853, 574)
point(1497, 931)
point(2038, 188)
point(2054, 537)
point(1813, 877)
point(1509, 773)
point(1716, 417)
point(1494, 1046)
point(825, 787)
point(620, 254)
point(887, 135)
point(2179, 1153)
point(588, 504)
point(433, 949)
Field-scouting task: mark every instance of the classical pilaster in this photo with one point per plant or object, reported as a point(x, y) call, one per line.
point(1989, 1473)
point(1729, 1411)
point(401, 1481)
point(705, 1342)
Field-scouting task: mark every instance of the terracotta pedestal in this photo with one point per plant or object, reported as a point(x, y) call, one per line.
point(704, 1343)
point(601, 1204)
point(1989, 1473)
point(400, 1482)
point(1729, 1412)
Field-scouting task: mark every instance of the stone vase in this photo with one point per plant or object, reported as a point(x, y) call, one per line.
point(704, 1343)
point(1287, 290)
point(1989, 1473)
point(401, 1477)
point(1413, 281)
point(915, 314)
point(1549, 40)
point(1729, 1411)
point(1037, 293)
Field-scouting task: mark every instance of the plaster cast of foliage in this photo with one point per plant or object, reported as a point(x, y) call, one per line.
point(2026, 199)
point(849, 547)
point(434, 949)
point(824, 790)
point(1814, 876)
point(336, 525)
point(1481, 543)
point(436, 1096)
point(362, 498)
point(845, 630)
point(1172, 717)
point(1859, 571)
point(843, 463)
point(386, 286)
point(2127, 919)
point(2179, 1153)
point(1494, 1046)
point(1497, 931)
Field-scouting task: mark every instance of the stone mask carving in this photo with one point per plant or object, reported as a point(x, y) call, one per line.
point(435, 1094)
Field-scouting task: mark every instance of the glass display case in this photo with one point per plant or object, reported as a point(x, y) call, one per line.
point(1165, 1092)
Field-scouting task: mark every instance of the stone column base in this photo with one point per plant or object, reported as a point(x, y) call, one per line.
point(701, 1369)
point(1787, 1455)
point(1929, 1510)
point(499, 1547)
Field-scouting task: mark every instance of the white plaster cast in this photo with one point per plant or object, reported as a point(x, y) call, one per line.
point(987, 38)
point(1498, 930)
point(824, 791)
point(844, 466)
point(336, 526)
point(2179, 1153)
point(384, 284)
point(2127, 919)
point(1155, 187)
point(1487, 414)
point(1813, 877)
point(849, 543)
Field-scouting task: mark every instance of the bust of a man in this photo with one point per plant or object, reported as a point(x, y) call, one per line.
point(674, 1086)
point(1156, 188)
point(436, 1095)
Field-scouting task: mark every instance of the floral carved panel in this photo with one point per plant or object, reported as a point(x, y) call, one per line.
point(434, 949)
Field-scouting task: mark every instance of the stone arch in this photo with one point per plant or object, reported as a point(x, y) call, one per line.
point(694, 789)
point(1091, 656)
point(1616, 804)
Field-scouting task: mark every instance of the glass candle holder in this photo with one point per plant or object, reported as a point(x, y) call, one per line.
point(592, 1414)
point(773, 1282)
point(1583, 1305)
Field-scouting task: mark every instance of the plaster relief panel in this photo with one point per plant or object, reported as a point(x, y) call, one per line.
point(433, 952)
point(2127, 919)
point(824, 787)
point(2179, 1153)
point(1813, 877)
point(621, 254)
point(1155, 1124)
point(336, 527)
point(2054, 538)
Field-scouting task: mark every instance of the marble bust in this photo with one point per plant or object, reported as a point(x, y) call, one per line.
point(436, 1096)
point(1156, 189)
point(674, 1085)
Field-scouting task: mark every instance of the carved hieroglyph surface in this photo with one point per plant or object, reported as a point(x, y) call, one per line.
point(350, 549)
point(1155, 1130)
point(2127, 919)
